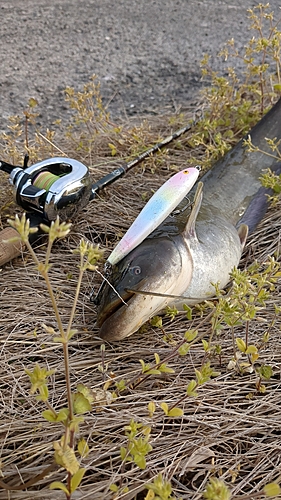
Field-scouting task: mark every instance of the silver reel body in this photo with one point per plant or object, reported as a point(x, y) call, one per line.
point(53, 187)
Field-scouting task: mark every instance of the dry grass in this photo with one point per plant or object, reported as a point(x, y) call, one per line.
point(223, 432)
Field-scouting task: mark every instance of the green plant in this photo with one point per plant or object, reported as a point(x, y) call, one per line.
point(217, 490)
point(250, 291)
point(89, 118)
point(24, 136)
point(234, 105)
point(269, 179)
point(79, 401)
point(159, 489)
point(138, 445)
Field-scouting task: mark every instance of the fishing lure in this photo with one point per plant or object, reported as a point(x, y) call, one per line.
point(160, 205)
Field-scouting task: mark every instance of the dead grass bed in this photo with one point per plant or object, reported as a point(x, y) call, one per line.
point(224, 432)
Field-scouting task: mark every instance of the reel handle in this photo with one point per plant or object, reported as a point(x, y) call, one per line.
point(9, 250)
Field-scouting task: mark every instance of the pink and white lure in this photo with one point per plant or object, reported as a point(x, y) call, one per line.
point(160, 205)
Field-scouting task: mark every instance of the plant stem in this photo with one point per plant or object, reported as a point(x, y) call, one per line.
point(51, 408)
point(45, 275)
point(247, 334)
point(77, 293)
point(68, 497)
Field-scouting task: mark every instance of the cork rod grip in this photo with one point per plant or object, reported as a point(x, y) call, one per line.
point(9, 250)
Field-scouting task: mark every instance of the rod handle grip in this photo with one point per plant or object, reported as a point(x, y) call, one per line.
point(9, 250)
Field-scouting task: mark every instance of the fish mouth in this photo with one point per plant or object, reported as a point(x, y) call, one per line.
point(119, 320)
point(112, 307)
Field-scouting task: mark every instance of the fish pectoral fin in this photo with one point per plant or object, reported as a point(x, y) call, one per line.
point(243, 233)
point(189, 229)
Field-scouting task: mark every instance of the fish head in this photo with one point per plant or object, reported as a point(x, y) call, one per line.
point(156, 265)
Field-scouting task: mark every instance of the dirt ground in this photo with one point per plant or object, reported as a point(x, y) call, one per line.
point(145, 54)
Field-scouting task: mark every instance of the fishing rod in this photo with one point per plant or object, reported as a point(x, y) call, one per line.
point(123, 169)
point(61, 187)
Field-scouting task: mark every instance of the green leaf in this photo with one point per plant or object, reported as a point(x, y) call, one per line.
point(44, 393)
point(143, 365)
point(150, 495)
point(190, 388)
point(159, 487)
point(156, 321)
point(205, 345)
point(153, 371)
point(241, 345)
point(76, 479)
point(277, 87)
point(157, 358)
point(49, 416)
point(216, 489)
point(75, 422)
point(113, 487)
point(32, 103)
point(81, 404)
point(165, 408)
point(87, 393)
point(140, 461)
point(190, 335)
point(45, 228)
point(199, 377)
point(254, 357)
point(83, 448)
point(251, 349)
point(265, 337)
point(60, 340)
point(121, 385)
point(171, 312)
point(112, 148)
point(65, 457)
point(123, 453)
point(38, 377)
point(71, 333)
point(272, 489)
point(188, 311)
point(151, 408)
point(175, 412)
point(265, 371)
point(62, 415)
point(146, 430)
point(57, 485)
point(163, 368)
point(49, 329)
point(183, 349)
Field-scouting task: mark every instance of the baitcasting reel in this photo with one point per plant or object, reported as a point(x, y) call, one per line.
point(51, 188)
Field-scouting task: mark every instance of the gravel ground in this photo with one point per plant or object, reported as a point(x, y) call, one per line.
point(145, 54)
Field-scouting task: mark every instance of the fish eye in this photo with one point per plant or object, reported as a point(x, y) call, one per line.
point(136, 270)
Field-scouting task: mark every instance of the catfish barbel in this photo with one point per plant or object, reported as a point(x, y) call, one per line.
point(179, 262)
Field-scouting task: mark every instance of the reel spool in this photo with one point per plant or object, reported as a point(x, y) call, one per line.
point(44, 180)
point(54, 187)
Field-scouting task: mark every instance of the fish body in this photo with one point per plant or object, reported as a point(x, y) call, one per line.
point(181, 260)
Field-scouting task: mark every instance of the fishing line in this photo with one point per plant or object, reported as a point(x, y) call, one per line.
point(44, 180)
point(158, 294)
point(111, 286)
